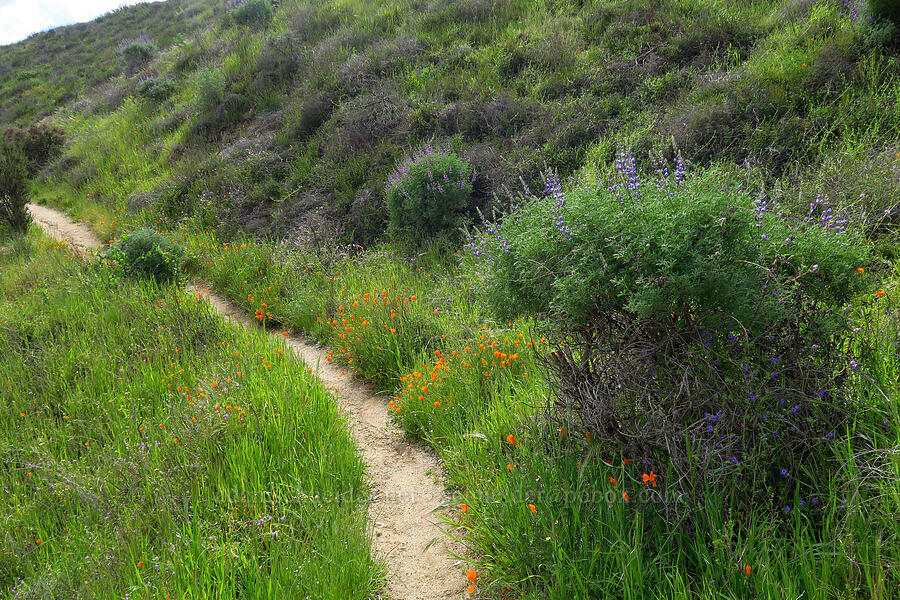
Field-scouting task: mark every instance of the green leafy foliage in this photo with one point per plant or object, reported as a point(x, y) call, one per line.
point(156, 88)
point(40, 142)
point(145, 253)
point(13, 191)
point(886, 10)
point(696, 328)
point(428, 192)
point(252, 13)
point(657, 252)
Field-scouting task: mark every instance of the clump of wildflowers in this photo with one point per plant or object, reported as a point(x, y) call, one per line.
point(675, 310)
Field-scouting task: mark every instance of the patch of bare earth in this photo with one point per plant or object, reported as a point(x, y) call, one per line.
point(405, 478)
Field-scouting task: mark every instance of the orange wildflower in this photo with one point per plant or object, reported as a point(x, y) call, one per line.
point(464, 507)
point(747, 569)
point(626, 496)
point(512, 440)
point(471, 589)
point(612, 480)
point(879, 293)
point(532, 508)
point(472, 575)
point(860, 270)
point(140, 563)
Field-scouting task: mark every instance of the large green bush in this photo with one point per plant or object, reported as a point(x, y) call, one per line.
point(137, 52)
point(156, 88)
point(252, 13)
point(429, 192)
point(39, 142)
point(145, 253)
point(696, 327)
point(13, 191)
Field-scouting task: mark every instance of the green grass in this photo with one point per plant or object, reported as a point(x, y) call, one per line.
point(584, 540)
point(149, 450)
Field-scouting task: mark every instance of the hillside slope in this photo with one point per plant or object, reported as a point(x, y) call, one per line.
point(54, 68)
point(302, 118)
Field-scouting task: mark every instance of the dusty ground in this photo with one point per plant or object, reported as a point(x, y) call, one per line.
point(405, 479)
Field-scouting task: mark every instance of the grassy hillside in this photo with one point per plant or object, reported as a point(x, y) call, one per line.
point(711, 194)
point(149, 450)
point(55, 68)
point(313, 110)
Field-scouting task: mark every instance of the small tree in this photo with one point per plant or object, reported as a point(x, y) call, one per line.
point(39, 143)
point(13, 191)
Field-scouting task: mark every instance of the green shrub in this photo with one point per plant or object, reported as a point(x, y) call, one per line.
point(210, 89)
point(13, 191)
point(137, 52)
point(251, 13)
point(429, 192)
point(40, 142)
point(156, 88)
point(145, 253)
point(696, 328)
point(885, 10)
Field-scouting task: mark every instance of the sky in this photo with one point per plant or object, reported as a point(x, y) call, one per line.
point(21, 18)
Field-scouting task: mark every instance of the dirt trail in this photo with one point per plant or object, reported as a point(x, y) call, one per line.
point(405, 479)
point(79, 236)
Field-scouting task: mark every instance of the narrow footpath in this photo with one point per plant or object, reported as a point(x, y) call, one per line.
point(405, 479)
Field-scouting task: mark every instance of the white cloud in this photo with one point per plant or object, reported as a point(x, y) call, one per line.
point(21, 18)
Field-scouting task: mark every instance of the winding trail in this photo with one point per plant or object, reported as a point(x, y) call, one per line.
point(405, 479)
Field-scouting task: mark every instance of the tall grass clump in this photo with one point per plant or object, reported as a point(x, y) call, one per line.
point(428, 192)
point(211, 85)
point(146, 253)
point(697, 329)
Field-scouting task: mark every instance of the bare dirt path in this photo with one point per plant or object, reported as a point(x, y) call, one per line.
point(405, 479)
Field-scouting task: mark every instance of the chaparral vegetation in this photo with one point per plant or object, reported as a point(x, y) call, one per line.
point(628, 268)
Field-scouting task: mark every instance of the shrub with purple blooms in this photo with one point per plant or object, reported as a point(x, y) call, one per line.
point(698, 329)
point(429, 192)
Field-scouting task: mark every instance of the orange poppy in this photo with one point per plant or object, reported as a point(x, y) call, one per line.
point(532, 508)
point(464, 507)
point(472, 575)
point(512, 440)
point(747, 569)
